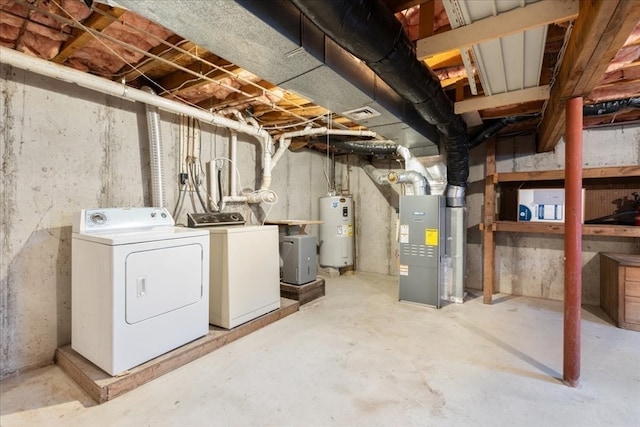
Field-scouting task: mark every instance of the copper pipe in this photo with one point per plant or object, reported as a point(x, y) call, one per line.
point(573, 241)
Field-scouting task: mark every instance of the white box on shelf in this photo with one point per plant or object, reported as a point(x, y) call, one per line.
point(543, 205)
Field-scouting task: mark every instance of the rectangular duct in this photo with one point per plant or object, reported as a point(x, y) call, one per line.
point(274, 41)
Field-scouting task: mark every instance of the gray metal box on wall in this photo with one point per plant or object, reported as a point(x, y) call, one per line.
point(299, 259)
point(422, 245)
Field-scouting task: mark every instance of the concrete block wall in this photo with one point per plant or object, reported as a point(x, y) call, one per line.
point(65, 148)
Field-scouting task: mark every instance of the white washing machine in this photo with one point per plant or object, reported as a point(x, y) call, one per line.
point(245, 273)
point(139, 286)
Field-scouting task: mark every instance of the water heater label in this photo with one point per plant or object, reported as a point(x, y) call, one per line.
point(431, 236)
point(345, 230)
point(335, 204)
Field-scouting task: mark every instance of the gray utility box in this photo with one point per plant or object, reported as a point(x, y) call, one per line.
point(422, 246)
point(299, 259)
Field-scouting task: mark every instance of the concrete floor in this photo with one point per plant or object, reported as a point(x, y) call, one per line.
point(357, 357)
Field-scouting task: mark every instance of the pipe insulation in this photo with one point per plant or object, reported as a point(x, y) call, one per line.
point(365, 148)
point(155, 153)
point(610, 107)
point(369, 31)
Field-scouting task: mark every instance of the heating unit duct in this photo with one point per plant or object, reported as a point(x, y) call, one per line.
point(369, 31)
point(275, 41)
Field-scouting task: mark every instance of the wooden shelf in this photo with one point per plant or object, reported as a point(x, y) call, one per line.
point(550, 228)
point(595, 180)
point(554, 175)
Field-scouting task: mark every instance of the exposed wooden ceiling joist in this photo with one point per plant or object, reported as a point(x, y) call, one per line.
point(79, 37)
point(398, 6)
point(501, 99)
point(517, 20)
point(600, 30)
point(447, 59)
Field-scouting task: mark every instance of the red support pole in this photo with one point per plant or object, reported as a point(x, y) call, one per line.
point(573, 242)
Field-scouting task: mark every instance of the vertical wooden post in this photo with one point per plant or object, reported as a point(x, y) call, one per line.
point(573, 242)
point(427, 16)
point(488, 243)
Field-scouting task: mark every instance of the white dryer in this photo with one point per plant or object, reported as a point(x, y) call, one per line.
point(139, 286)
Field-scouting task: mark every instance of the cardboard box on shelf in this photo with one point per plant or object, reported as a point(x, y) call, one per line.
point(543, 205)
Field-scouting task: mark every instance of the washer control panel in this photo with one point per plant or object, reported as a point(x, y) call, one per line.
point(110, 219)
point(214, 218)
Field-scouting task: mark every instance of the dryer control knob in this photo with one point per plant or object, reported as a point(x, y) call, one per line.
point(98, 218)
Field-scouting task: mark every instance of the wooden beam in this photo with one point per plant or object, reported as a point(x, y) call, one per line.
point(399, 6)
point(488, 242)
point(558, 174)
point(558, 228)
point(425, 26)
point(447, 59)
point(148, 66)
point(483, 102)
point(103, 387)
point(599, 32)
point(180, 79)
point(514, 21)
point(526, 108)
point(79, 38)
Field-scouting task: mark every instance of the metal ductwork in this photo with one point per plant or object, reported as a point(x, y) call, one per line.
point(370, 32)
point(274, 40)
point(418, 182)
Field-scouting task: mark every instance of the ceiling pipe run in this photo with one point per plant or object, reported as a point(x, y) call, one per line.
point(99, 84)
point(369, 31)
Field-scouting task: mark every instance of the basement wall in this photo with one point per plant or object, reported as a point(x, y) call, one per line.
point(532, 264)
point(65, 148)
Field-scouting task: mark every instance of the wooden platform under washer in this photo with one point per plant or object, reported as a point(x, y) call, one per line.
point(303, 293)
point(103, 387)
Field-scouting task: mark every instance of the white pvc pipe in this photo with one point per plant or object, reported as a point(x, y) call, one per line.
point(99, 84)
point(233, 155)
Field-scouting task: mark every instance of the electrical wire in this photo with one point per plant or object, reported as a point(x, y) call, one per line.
point(73, 22)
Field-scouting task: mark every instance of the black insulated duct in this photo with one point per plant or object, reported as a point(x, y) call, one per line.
point(610, 107)
point(496, 126)
point(369, 31)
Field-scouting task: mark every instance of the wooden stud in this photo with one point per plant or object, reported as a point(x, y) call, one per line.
point(488, 243)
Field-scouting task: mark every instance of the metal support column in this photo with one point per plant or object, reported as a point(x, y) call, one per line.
point(573, 242)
